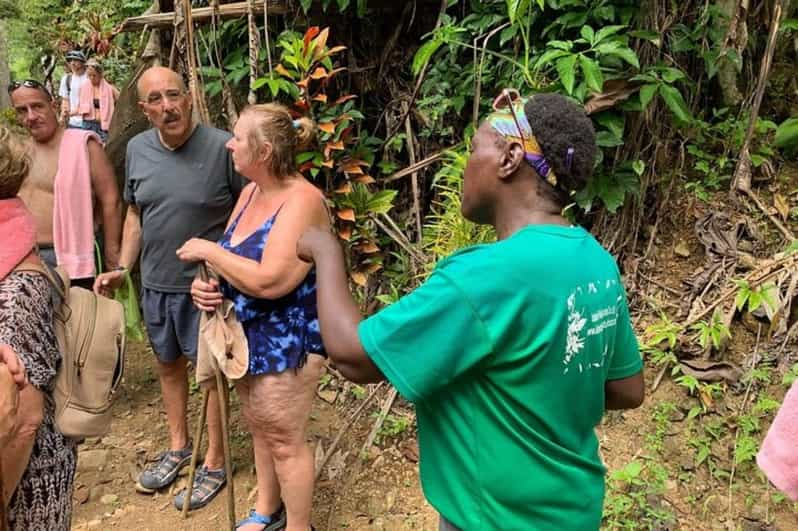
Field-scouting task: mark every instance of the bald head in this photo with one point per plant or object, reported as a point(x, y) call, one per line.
point(158, 75)
point(166, 103)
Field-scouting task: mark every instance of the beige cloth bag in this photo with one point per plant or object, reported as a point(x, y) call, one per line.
point(222, 342)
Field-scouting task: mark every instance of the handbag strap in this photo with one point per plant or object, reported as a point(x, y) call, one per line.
point(54, 278)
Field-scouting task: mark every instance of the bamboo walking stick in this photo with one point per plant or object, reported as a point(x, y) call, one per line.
point(221, 384)
point(195, 452)
point(221, 387)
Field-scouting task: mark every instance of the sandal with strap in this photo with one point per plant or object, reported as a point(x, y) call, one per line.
point(273, 522)
point(207, 484)
point(164, 471)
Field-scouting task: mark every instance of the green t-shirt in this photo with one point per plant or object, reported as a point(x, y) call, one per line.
point(505, 350)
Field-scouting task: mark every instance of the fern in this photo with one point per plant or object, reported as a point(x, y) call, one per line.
point(447, 230)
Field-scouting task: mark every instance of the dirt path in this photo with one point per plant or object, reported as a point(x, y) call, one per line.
point(386, 494)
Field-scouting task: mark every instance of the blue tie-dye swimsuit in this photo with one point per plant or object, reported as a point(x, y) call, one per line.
point(281, 332)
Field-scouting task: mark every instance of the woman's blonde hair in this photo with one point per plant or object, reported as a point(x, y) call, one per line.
point(14, 164)
point(273, 124)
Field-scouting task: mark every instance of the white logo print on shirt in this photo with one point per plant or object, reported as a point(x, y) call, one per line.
point(601, 320)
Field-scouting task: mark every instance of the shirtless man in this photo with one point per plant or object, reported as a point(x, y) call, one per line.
point(38, 113)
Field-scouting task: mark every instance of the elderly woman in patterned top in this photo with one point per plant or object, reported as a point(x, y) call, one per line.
point(38, 462)
point(275, 299)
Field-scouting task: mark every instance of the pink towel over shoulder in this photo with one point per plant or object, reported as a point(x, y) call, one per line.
point(86, 105)
point(73, 215)
point(778, 457)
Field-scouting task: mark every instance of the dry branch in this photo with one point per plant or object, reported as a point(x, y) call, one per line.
point(411, 151)
point(200, 15)
point(410, 170)
point(345, 429)
point(754, 278)
point(386, 408)
point(742, 172)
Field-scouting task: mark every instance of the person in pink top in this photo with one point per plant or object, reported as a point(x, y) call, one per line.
point(71, 189)
point(97, 101)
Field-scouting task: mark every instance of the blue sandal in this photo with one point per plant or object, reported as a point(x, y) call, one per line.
point(273, 522)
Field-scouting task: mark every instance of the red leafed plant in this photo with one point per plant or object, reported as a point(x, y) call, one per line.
point(305, 74)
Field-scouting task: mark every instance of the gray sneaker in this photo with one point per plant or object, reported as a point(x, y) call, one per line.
point(207, 484)
point(164, 470)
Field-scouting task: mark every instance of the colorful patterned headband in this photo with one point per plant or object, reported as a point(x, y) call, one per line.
point(510, 122)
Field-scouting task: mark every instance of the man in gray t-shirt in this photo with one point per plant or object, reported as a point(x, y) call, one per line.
point(180, 184)
point(181, 194)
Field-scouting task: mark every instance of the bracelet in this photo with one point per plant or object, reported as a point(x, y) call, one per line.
point(120, 268)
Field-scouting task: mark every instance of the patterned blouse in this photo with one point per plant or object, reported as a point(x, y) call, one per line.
point(280, 332)
point(43, 498)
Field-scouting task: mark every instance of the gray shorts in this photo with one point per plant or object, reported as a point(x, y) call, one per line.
point(172, 323)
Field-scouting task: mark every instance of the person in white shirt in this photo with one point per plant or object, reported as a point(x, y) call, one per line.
point(70, 89)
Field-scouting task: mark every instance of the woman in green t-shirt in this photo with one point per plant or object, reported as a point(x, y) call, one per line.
point(511, 351)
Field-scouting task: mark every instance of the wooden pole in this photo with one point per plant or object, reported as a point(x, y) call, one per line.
point(201, 15)
point(195, 452)
point(221, 385)
point(252, 27)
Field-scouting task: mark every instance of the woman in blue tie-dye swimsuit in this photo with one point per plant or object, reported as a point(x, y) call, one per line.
point(275, 299)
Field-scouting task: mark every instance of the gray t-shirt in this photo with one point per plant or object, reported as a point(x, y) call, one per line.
point(182, 194)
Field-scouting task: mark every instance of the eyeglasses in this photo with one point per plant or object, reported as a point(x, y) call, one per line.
point(173, 95)
point(29, 83)
point(507, 99)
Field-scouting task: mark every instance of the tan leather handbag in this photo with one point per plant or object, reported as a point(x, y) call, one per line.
point(90, 330)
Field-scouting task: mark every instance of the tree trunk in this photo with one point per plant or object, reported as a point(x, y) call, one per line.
point(735, 41)
point(5, 73)
point(128, 120)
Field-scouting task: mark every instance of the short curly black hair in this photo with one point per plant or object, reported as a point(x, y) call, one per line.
point(559, 124)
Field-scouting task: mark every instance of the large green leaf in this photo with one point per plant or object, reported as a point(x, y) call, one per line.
point(787, 135)
point(565, 69)
point(549, 56)
point(672, 75)
point(606, 31)
point(627, 54)
point(516, 9)
point(675, 102)
point(647, 92)
point(424, 54)
point(592, 72)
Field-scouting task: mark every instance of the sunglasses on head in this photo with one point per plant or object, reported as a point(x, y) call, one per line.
point(27, 83)
point(506, 100)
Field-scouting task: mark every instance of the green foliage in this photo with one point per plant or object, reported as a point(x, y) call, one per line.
point(392, 426)
point(341, 5)
point(791, 375)
point(662, 331)
point(712, 333)
point(344, 157)
point(597, 54)
point(753, 298)
point(660, 80)
point(714, 143)
point(787, 136)
point(632, 494)
point(43, 28)
point(447, 230)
